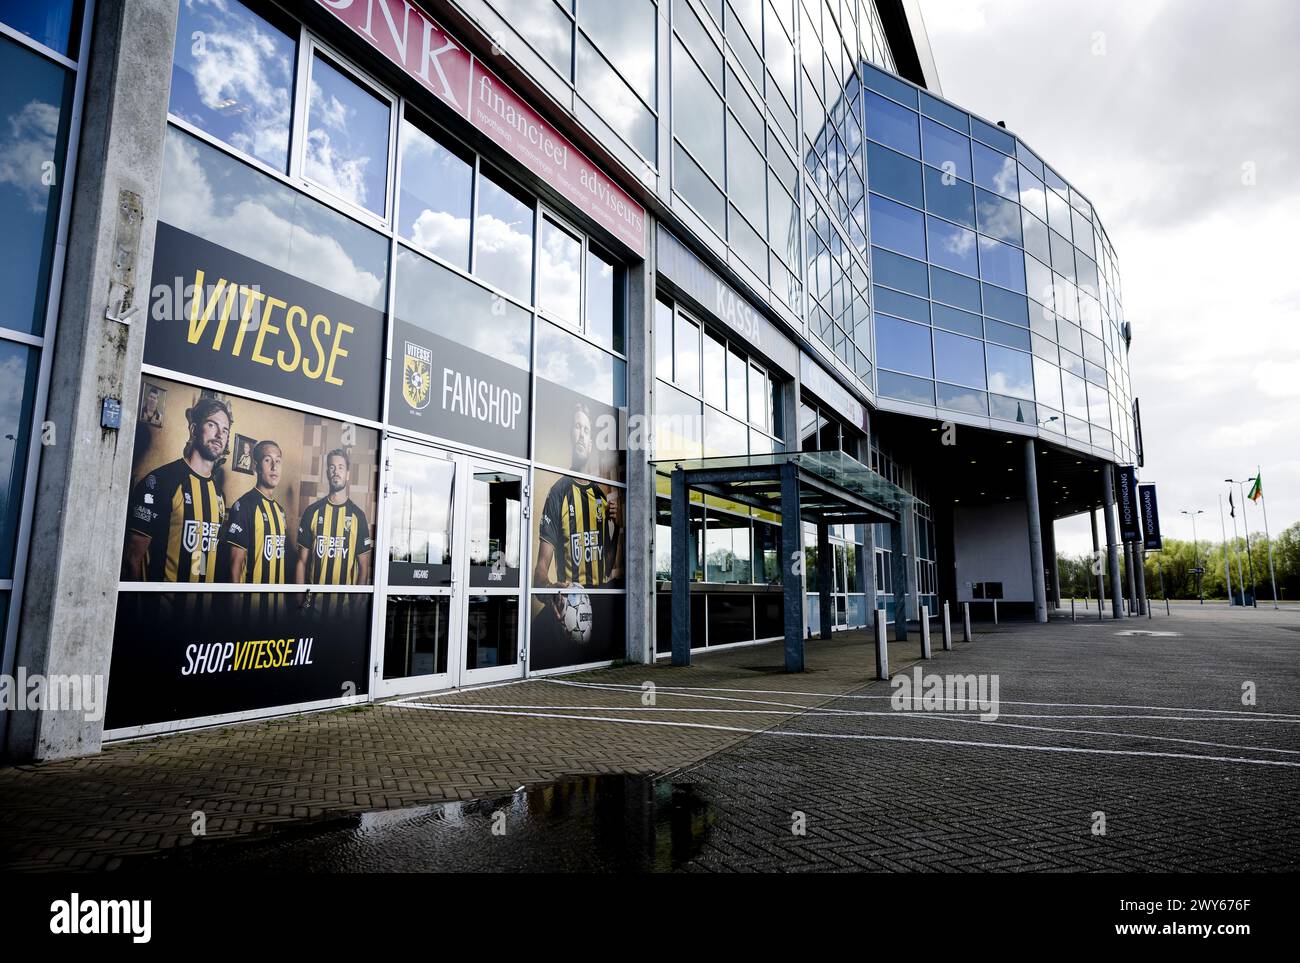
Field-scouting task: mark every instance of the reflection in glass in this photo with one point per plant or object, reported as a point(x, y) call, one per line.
point(210, 194)
point(737, 389)
point(495, 499)
point(959, 360)
point(1010, 372)
point(347, 138)
point(439, 300)
point(416, 635)
point(503, 238)
point(897, 227)
point(943, 146)
point(903, 346)
point(492, 631)
point(1047, 383)
point(605, 302)
point(715, 370)
point(893, 174)
point(679, 424)
point(892, 125)
point(700, 128)
point(18, 371)
point(905, 387)
point(998, 217)
point(1002, 264)
point(434, 205)
point(726, 548)
point(995, 171)
point(723, 435)
point(559, 273)
point(686, 348)
point(545, 27)
point(34, 122)
point(614, 100)
point(952, 246)
point(949, 197)
point(574, 364)
point(420, 490)
point(963, 399)
point(625, 33)
point(237, 84)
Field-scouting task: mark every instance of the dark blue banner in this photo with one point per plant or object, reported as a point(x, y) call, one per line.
point(1150, 518)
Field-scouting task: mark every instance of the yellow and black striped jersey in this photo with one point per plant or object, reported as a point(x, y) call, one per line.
point(573, 521)
point(182, 513)
point(335, 536)
point(259, 526)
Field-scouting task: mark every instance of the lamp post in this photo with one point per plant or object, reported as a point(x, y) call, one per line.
point(1196, 552)
point(1250, 562)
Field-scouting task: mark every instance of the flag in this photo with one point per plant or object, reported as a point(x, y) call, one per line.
point(1231, 508)
point(1256, 490)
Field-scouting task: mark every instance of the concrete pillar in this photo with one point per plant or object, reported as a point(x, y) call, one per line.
point(682, 569)
point(639, 507)
point(1096, 559)
point(1139, 554)
point(70, 599)
point(869, 571)
point(825, 581)
point(1130, 576)
point(1112, 540)
point(1035, 532)
point(792, 567)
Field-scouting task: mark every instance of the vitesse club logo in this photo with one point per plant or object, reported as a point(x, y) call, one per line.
point(417, 376)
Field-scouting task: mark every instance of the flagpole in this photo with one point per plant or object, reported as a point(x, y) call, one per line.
point(1263, 505)
point(1250, 561)
point(1241, 581)
point(1227, 569)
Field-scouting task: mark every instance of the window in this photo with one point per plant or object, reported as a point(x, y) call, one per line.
point(715, 370)
point(698, 119)
point(995, 171)
point(897, 227)
point(943, 147)
point(1002, 264)
point(893, 174)
point(559, 281)
point(232, 77)
point(625, 33)
point(346, 150)
point(18, 369)
point(998, 217)
point(604, 300)
point(613, 100)
point(437, 193)
point(892, 125)
point(1010, 372)
point(503, 237)
point(959, 360)
point(686, 352)
point(949, 197)
point(952, 246)
point(903, 346)
point(545, 26)
point(746, 180)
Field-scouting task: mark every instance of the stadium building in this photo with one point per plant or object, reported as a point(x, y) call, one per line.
point(361, 348)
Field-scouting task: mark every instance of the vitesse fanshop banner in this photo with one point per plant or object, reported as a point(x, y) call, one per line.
point(244, 323)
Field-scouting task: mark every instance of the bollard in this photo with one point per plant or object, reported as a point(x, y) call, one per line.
point(882, 646)
point(965, 622)
point(1148, 608)
point(947, 629)
point(1072, 618)
point(1166, 606)
point(995, 611)
point(925, 631)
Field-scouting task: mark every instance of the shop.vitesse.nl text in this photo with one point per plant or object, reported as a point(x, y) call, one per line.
point(202, 658)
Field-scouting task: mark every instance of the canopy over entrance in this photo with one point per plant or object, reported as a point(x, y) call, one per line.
point(825, 488)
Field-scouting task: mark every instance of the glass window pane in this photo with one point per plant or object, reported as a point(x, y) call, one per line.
point(954, 320)
point(18, 370)
point(1000, 303)
point(35, 125)
point(1033, 194)
point(686, 349)
point(347, 138)
point(503, 237)
point(700, 126)
point(1010, 372)
point(897, 227)
point(955, 289)
point(995, 136)
point(614, 100)
point(949, 197)
point(903, 305)
point(1059, 215)
point(998, 217)
point(995, 171)
point(237, 84)
point(905, 388)
point(605, 301)
point(690, 181)
point(1035, 238)
point(892, 125)
point(746, 175)
point(903, 346)
point(679, 424)
point(559, 273)
point(715, 370)
point(723, 435)
point(545, 27)
point(663, 336)
point(758, 397)
point(737, 385)
point(625, 33)
point(1002, 264)
point(945, 149)
point(951, 116)
point(1047, 383)
point(900, 272)
point(963, 399)
point(1062, 256)
point(437, 187)
point(951, 246)
point(697, 39)
point(959, 360)
point(1007, 334)
point(891, 173)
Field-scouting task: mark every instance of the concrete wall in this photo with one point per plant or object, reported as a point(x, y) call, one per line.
point(991, 544)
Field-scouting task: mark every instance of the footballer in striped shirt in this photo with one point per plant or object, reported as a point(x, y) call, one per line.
point(257, 528)
point(333, 538)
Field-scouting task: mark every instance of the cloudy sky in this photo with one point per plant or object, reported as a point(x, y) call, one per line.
point(1180, 121)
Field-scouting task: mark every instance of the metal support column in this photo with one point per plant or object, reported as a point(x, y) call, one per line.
point(792, 566)
point(1112, 540)
point(1096, 560)
point(1139, 557)
point(1035, 532)
point(681, 569)
point(898, 565)
point(825, 581)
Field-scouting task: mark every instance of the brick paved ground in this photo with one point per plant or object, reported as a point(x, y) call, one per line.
point(875, 797)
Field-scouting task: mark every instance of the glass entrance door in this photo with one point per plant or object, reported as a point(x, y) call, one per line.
point(453, 587)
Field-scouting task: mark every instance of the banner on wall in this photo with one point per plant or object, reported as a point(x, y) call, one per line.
point(187, 655)
point(575, 628)
point(248, 324)
point(443, 388)
point(225, 489)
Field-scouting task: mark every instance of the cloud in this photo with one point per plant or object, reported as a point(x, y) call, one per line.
point(29, 146)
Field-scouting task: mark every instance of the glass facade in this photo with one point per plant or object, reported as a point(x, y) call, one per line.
point(41, 62)
point(995, 287)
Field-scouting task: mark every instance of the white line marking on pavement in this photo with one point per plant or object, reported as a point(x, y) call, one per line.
point(676, 689)
point(470, 710)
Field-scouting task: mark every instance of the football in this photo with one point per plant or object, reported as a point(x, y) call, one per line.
point(576, 619)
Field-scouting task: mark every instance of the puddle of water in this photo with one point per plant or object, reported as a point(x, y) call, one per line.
point(605, 823)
